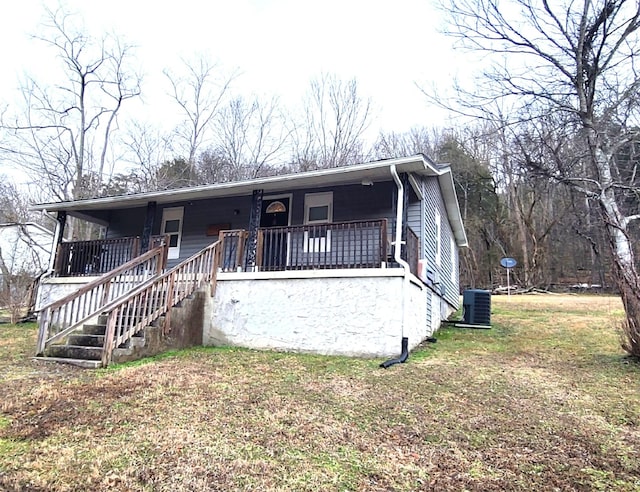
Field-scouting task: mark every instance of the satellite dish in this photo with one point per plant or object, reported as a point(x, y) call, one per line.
point(508, 262)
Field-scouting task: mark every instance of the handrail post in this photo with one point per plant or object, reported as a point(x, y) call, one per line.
point(215, 261)
point(135, 249)
point(169, 303)
point(259, 248)
point(242, 235)
point(43, 330)
point(165, 252)
point(108, 337)
point(383, 240)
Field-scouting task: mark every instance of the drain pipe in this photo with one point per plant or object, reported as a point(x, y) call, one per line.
point(397, 256)
point(404, 355)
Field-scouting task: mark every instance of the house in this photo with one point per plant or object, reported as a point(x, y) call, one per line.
point(342, 261)
point(24, 256)
point(24, 248)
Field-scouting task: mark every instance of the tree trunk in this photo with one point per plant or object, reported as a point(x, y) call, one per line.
point(626, 277)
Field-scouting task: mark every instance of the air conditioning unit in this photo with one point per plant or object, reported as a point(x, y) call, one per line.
point(477, 308)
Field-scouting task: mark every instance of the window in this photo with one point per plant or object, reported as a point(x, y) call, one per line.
point(318, 208)
point(172, 227)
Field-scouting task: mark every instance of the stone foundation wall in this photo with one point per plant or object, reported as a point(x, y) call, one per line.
point(352, 316)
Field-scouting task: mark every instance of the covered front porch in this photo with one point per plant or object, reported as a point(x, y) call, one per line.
point(341, 245)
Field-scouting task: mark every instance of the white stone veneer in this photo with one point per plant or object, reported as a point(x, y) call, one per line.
point(338, 312)
point(55, 288)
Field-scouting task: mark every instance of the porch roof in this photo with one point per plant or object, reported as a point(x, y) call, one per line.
point(371, 171)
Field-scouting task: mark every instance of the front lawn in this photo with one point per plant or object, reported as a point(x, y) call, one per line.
point(545, 400)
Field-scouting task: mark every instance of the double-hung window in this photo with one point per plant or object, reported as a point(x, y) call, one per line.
point(318, 211)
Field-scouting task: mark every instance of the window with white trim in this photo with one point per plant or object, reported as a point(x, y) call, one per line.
point(318, 210)
point(172, 227)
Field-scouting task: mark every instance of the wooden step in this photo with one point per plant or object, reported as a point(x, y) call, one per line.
point(94, 329)
point(86, 364)
point(74, 352)
point(86, 340)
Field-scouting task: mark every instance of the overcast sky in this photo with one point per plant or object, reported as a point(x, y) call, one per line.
point(278, 45)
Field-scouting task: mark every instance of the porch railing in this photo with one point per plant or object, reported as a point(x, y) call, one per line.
point(142, 306)
point(359, 244)
point(411, 251)
point(233, 249)
point(61, 317)
point(99, 256)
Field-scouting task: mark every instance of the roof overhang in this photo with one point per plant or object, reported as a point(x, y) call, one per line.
point(372, 171)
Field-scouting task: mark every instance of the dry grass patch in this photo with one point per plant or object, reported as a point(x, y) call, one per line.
point(543, 401)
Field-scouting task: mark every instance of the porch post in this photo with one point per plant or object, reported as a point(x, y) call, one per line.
point(254, 225)
point(148, 226)
point(56, 256)
point(62, 222)
point(405, 210)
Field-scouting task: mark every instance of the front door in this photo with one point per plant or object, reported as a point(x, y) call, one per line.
point(172, 226)
point(275, 214)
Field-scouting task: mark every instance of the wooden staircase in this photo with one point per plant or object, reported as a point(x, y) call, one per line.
point(118, 327)
point(84, 346)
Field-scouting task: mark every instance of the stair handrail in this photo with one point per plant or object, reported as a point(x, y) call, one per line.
point(157, 296)
point(66, 314)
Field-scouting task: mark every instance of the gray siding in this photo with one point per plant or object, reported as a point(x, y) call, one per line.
point(447, 272)
point(198, 215)
point(430, 314)
point(351, 202)
point(414, 215)
point(126, 222)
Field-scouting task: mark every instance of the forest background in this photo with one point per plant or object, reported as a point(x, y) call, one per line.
point(69, 134)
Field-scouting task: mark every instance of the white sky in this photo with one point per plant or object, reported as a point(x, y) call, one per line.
point(277, 45)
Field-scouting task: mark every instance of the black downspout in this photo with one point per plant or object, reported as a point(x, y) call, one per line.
point(404, 355)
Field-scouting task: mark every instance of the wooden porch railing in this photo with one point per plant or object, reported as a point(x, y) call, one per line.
point(99, 256)
point(233, 249)
point(142, 306)
point(61, 317)
point(79, 258)
point(358, 244)
point(410, 251)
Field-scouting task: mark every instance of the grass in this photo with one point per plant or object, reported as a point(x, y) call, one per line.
point(545, 400)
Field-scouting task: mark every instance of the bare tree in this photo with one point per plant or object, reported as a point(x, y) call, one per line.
point(145, 150)
point(199, 93)
point(419, 140)
point(335, 120)
point(14, 205)
point(23, 258)
point(250, 136)
point(65, 132)
point(575, 61)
